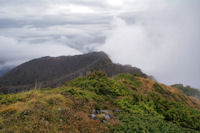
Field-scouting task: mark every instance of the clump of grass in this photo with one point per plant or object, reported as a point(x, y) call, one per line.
point(55, 99)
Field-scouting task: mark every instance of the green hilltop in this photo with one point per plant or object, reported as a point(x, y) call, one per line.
point(125, 103)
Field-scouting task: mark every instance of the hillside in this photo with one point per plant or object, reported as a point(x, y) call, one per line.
point(55, 71)
point(96, 103)
point(187, 90)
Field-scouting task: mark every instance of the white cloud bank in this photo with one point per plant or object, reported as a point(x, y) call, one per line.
point(163, 42)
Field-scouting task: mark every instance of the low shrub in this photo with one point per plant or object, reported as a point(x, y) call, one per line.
point(100, 84)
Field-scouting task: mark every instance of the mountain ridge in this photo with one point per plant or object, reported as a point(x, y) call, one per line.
point(54, 71)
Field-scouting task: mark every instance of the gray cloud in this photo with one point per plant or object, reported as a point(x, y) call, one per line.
point(161, 37)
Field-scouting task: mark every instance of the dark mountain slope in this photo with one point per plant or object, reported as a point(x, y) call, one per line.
point(54, 71)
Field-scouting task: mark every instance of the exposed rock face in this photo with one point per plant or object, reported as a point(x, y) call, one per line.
point(55, 71)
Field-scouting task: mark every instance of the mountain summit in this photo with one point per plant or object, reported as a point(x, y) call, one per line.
point(55, 71)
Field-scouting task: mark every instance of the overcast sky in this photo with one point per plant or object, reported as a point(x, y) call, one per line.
point(159, 36)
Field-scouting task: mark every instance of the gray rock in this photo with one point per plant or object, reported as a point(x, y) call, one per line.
point(104, 111)
point(93, 116)
point(104, 121)
point(93, 111)
point(26, 112)
point(107, 116)
point(98, 111)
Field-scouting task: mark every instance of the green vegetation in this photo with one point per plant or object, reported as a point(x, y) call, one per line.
point(156, 114)
point(100, 84)
point(187, 90)
point(69, 108)
point(129, 80)
point(146, 124)
point(176, 112)
point(159, 89)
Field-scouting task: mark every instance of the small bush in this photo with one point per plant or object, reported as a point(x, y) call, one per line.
point(55, 99)
point(100, 84)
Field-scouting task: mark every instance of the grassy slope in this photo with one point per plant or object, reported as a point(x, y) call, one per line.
point(134, 104)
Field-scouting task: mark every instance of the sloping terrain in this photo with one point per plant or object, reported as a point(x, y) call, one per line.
point(96, 103)
point(54, 71)
point(187, 90)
